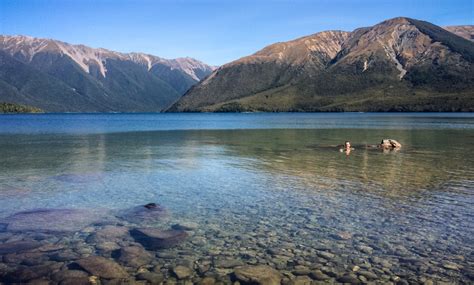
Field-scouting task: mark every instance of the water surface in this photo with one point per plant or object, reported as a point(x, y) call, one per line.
point(259, 189)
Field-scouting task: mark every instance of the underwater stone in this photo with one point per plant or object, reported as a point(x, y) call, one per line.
point(145, 214)
point(349, 278)
point(18, 246)
point(134, 256)
point(25, 274)
point(259, 274)
point(450, 265)
point(153, 239)
point(68, 274)
point(152, 277)
point(102, 267)
point(318, 275)
point(26, 258)
point(185, 226)
point(227, 262)
point(107, 234)
point(182, 272)
point(207, 281)
point(52, 220)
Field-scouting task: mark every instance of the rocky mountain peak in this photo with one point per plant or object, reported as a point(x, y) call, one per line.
point(398, 40)
point(26, 47)
point(337, 70)
point(296, 52)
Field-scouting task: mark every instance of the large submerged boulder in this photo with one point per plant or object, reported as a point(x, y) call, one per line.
point(148, 214)
point(153, 239)
point(52, 220)
point(18, 246)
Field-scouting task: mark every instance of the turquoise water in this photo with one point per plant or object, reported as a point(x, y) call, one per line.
point(261, 182)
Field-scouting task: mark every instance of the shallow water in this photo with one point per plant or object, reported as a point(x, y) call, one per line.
point(258, 189)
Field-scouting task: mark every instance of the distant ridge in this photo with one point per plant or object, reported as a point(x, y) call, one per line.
point(400, 64)
point(56, 76)
point(465, 31)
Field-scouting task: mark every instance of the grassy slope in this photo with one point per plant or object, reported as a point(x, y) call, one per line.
point(371, 100)
point(17, 108)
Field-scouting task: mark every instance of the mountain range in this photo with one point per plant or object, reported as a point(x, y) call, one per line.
point(60, 77)
point(400, 64)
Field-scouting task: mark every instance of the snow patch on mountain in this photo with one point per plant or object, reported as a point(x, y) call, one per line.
point(86, 57)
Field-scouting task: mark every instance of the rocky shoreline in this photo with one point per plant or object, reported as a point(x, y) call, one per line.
point(66, 246)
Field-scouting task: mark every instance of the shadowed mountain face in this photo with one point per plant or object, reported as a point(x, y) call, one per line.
point(57, 77)
point(400, 64)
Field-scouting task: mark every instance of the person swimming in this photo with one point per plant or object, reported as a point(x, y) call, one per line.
point(387, 144)
point(346, 147)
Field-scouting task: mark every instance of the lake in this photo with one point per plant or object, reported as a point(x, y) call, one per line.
point(235, 193)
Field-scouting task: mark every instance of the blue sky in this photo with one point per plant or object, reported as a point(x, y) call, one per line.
point(213, 31)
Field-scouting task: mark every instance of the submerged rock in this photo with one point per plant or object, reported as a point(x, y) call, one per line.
point(349, 278)
point(67, 255)
point(151, 277)
point(185, 226)
point(52, 220)
point(325, 255)
point(76, 281)
point(134, 256)
point(145, 214)
point(365, 249)
point(302, 280)
point(151, 206)
point(343, 236)
point(259, 274)
point(301, 270)
point(153, 239)
point(26, 258)
point(18, 246)
point(27, 273)
point(226, 262)
point(367, 274)
point(207, 281)
point(318, 275)
point(182, 272)
point(107, 234)
point(102, 267)
point(107, 246)
point(69, 275)
point(450, 265)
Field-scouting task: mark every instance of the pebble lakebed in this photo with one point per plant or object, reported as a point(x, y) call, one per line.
point(263, 243)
